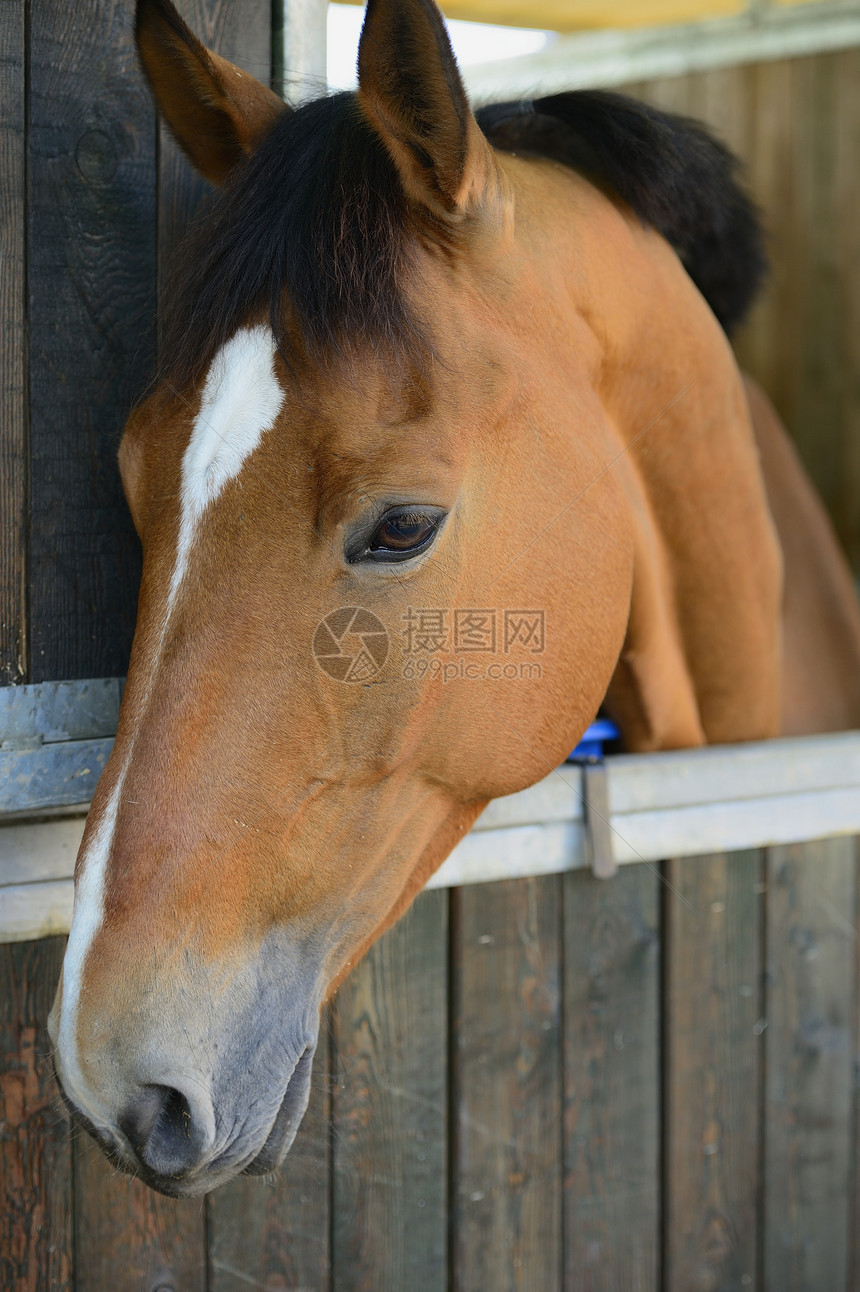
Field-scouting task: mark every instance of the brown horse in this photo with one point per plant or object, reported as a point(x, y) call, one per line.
point(449, 447)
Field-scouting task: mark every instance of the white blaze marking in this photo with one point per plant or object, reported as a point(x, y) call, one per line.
point(86, 918)
point(241, 400)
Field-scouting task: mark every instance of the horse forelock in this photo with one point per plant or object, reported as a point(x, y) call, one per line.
point(314, 232)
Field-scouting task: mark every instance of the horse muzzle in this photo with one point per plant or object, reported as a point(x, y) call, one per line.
point(189, 1074)
point(173, 1137)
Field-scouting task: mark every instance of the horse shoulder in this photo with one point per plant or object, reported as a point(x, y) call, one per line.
point(701, 662)
point(821, 618)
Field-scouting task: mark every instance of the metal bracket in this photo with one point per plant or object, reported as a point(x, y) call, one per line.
point(598, 832)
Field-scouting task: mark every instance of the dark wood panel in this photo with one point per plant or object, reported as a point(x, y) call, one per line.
point(612, 1082)
point(390, 1110)
point(35, 1174)
point(91, 248)
point(809, 1047)
point(765, 345)
point(242, 33)
point(274, 1233)
point(846, 127)
point(802, 339)
point(130, 1237)
point(819, 280)
point(506, 1087)
point(725, 98)
point(13, 443)
point(669, 93)
point(712, 1069)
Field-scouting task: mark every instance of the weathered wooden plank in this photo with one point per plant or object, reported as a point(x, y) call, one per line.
point(796, 124)
point(91, 255)
point(53, 711)
point(810, 1005)
point(39, 850)
point(127, 1236)
point(762, 345)
point(13, 347)
point(243, 34)
point(846, 129)
point(30, 911)
point(506, 1087)
point(818, 279)
point(390, 1110)
point(669, 93)
point(35, 1173)
point(712, 1066)
point(57, 775)
point(801, 342)
point(275, 1233)
point(612, 1082)
point(723, 97)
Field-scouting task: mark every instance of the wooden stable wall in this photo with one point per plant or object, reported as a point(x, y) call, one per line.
point(561, 1082)
point(92, 199)
point(603, 1086)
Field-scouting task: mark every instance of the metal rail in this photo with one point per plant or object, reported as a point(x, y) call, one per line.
point(682, 804)
point(612, 57)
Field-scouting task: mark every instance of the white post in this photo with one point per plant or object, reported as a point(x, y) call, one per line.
point(303, 49)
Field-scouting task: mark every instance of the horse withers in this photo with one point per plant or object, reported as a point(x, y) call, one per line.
point(448, 448)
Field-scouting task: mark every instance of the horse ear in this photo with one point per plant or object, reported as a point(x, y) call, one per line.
point(411, 92)
point(216, 113)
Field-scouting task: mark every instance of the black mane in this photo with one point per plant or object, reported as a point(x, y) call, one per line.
point(317, 221)
point(672, 173)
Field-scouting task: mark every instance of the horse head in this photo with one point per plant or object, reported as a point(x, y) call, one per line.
point(389, 525)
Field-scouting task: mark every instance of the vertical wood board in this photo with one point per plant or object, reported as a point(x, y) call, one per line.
point(612, 1081)
point(711, 1097)
point(13, 346)
point(128, 1236)
point(91, 263)
point(506, 1083)
point(35, 1171)
point(390, 1110)
point(809, 1045)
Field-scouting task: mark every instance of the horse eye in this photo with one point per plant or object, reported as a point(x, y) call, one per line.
point(403, 534)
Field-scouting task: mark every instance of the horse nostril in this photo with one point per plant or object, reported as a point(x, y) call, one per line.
point(159, 1125)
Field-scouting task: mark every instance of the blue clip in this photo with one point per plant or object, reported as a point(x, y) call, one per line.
point(594, 738)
